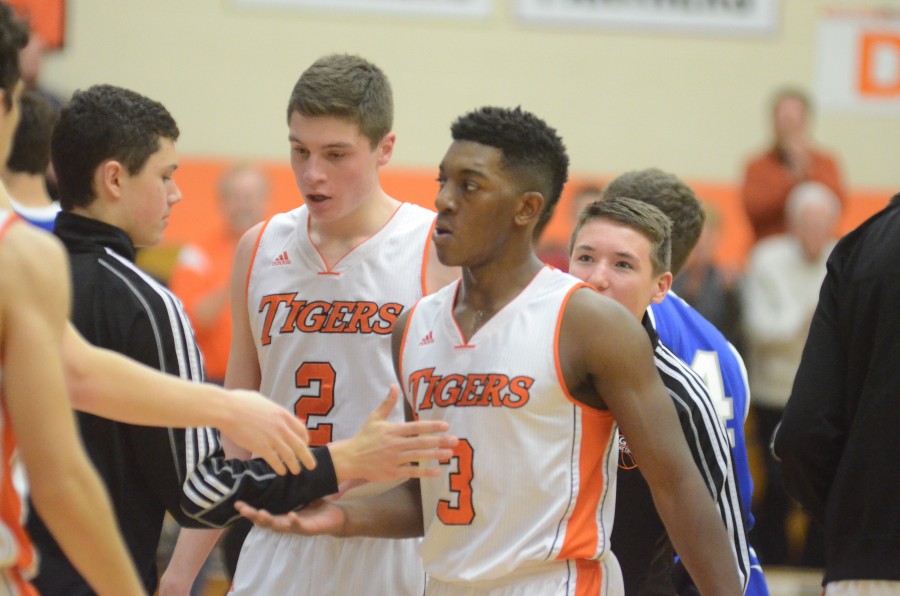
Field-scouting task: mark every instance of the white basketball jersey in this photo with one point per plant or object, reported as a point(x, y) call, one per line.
point(324, 346)
point(533, 478)
point(324, 335)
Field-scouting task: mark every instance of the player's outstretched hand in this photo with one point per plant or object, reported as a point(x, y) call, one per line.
point(383, 451)
point(320, 517)
point(268, 431)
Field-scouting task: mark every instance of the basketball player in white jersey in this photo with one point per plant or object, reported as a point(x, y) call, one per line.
point(534, 371)
point(316, 292)
point(36, 423)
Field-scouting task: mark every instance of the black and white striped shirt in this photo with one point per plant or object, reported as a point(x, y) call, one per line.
point(639, 538)
point(148, 470)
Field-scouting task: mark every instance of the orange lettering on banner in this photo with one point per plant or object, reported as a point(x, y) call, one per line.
point(879, 68)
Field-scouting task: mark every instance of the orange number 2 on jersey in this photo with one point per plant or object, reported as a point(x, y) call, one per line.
point(460, 483)
point(308, 375)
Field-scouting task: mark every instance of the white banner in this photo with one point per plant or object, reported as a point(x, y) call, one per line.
point(438, 8)
point(858, 61)
point(719, 17)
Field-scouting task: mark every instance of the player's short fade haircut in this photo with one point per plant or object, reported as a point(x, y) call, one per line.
point(104, 123)
point(530, 148)
point(13, 37)
point(347, 87)
point(671, 196)
point(30, 151)
point(641, 217)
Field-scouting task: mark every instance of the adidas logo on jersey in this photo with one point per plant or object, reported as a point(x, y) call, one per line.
point(428, 339)
point(282, 259)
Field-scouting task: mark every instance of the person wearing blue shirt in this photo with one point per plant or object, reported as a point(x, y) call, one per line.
point(25, 171)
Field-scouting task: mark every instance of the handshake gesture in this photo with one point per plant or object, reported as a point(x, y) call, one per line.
point(380, 452)
point(385, 451)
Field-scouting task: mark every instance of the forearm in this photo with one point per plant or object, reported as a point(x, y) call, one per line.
point(809, 442)
point(254, 482)
point(688, 511)
point(191, 550)
point(77, 511)
point(108, 384)
point(394, 514)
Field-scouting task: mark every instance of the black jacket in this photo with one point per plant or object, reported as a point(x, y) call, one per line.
point(147, 470)
point(839, 441)
point(639, 538)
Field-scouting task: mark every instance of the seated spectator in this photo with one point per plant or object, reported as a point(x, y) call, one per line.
point(779, 294)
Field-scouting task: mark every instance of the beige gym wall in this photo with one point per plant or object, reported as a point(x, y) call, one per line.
point(694, 105)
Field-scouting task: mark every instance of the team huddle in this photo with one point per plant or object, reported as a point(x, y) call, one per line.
point(491, 424)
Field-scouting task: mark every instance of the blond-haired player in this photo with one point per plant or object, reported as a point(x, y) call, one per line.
point(316, 292)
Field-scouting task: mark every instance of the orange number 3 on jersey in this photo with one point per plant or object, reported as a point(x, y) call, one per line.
point(461, 484)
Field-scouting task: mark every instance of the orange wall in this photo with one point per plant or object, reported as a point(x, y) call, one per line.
point(197, 212)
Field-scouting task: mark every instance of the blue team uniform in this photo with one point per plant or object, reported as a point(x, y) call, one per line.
point(42, 217)
point(696, 341)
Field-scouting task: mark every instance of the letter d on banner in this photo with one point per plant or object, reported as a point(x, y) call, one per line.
point(879, 68)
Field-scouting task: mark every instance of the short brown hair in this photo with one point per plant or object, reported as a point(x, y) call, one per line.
point(347, 87)
point(671, 196)
point(642, 217)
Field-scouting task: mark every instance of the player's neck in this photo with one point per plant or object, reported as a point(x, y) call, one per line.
point(486, 290)
point(334, 239)
point(29, 190)
point(4, 198)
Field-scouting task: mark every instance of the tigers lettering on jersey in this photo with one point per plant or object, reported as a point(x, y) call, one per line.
point(489, 389)
point(287, 314)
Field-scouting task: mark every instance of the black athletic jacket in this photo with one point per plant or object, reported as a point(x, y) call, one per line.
point(839, 439)
point(148, 471)
point(639, 538)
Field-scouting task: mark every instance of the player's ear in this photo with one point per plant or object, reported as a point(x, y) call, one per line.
point(108, 178)
point(530, 205)
point(385, 148)
point(663, 285)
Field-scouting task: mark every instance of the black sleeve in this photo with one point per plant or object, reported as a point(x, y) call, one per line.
point(811, 436)
point(708, 442)
point(254, 482)
point(186, 468)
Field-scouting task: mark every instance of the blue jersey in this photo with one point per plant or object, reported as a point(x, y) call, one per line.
point(697, 341)
point(42, 217)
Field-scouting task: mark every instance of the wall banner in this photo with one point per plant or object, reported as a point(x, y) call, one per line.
point(437, 8)
point(711, 17)
point(858, 61)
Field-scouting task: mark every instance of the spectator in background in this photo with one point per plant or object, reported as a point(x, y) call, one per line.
point(556, 253)
point(792, 159)
point(201, 274)
point(779, 294)
point(25, 172)
point(31, 61)
point(706, 286)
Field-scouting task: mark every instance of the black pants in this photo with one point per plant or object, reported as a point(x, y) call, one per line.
point(770, 534)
